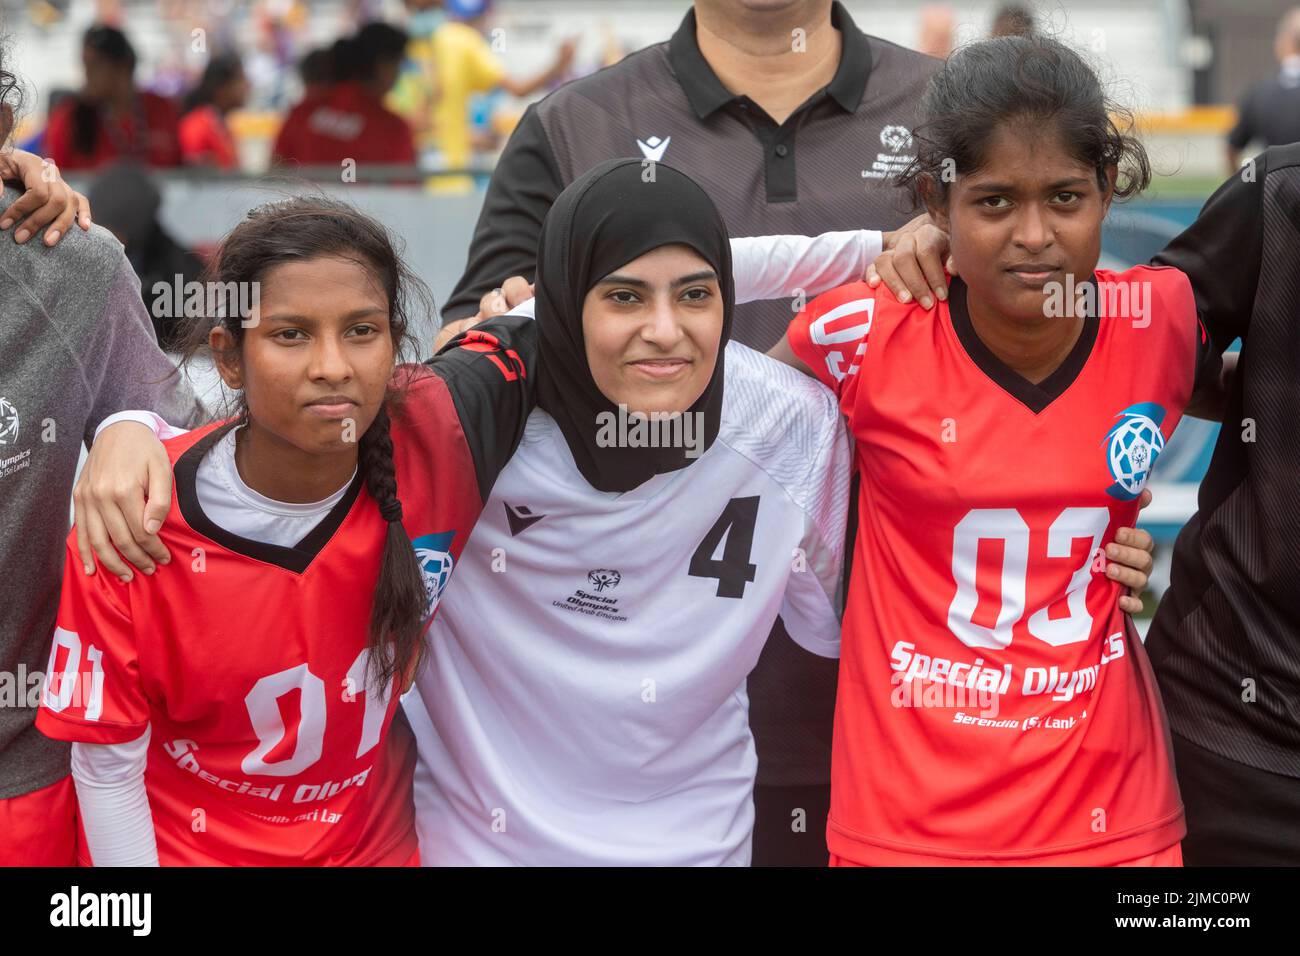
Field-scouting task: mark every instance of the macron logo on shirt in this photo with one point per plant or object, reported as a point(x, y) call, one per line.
point(520, 519)
point(653, 148)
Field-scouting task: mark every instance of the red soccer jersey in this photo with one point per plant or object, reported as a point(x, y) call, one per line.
point(994, 704)
point(345, 122)
point(248, 661)
point(206, 141)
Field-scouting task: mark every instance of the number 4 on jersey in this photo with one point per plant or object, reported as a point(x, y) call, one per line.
point(733, 569)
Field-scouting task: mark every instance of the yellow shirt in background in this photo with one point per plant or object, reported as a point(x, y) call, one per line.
point(464, 64)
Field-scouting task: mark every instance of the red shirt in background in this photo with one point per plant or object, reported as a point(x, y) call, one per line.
point(147, 133)
point(346, 122)
point(205, 139)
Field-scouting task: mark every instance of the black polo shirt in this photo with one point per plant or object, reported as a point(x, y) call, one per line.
point(1225, 642)
point(1269, 113)
point(827, 167)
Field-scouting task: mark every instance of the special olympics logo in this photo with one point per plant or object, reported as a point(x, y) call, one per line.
point(433, 552)
point(896, 137)
point(604, 578)
point(1132, 447)
point(8, 422)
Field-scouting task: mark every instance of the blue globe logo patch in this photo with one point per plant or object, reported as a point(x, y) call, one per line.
point(433, 552)
point(1132, 447)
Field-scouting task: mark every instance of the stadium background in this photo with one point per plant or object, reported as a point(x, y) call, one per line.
point(1180, 64)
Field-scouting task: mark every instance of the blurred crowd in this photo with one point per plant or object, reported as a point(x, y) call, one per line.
point(429, 88)
point(424, 92)
point(429, 91)
point(426, 87)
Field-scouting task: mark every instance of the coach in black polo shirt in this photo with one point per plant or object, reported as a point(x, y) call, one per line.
point(1225, 642)
point(1269, 113)
point(793, 119)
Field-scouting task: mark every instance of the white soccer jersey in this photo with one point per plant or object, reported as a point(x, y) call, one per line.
point(584, 698)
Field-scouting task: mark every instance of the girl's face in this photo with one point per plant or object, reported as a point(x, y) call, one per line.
point(315, 367)
point(652, 329)
point(1026, 220)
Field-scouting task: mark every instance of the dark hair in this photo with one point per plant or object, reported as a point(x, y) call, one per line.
point(112, 44)
point(316, 68)
point(344, 59)
point(298, 230)
point(221, 69)
point(11, 91)
point(1013, 19)
point(375, 43)
point(1036, 81)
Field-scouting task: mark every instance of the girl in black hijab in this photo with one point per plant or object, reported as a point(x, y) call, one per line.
point(613, 214)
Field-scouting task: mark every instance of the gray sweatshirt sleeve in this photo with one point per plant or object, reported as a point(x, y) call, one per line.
point(131, 371)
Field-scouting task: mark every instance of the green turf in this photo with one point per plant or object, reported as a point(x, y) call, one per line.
point(1182, 187)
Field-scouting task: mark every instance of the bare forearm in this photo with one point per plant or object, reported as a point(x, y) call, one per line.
point(782, 352)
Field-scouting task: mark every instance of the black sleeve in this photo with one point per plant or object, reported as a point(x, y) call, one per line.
point(1221, 253)
point(523, 186)
point(1241, 134)
point(489, 371)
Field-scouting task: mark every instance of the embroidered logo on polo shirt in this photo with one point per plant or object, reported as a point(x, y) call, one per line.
point(898, 141)
point(895, 137)
point(653, 148)
point(8, 422)
point(18, 460)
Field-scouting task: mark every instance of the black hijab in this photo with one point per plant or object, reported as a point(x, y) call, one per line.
point(607, 217)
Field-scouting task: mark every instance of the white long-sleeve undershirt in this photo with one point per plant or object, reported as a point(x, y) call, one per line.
point(114, 805)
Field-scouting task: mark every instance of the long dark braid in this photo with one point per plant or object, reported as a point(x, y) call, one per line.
point(400, 602)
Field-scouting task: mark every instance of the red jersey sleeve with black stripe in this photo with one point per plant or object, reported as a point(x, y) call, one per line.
point(488, 371)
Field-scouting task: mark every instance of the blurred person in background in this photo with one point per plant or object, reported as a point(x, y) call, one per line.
point(1269, 113)
point(205, 136)
point(126, 203)
point(1013, 20)
point(349, 120)
point(938, 28)
point(457, 62)
point(279, 27)
point(110, 118)
point(316, 71)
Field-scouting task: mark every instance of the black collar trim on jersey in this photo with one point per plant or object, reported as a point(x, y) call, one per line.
point(1035, 397)
point(295, 559)
point(707, 95)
